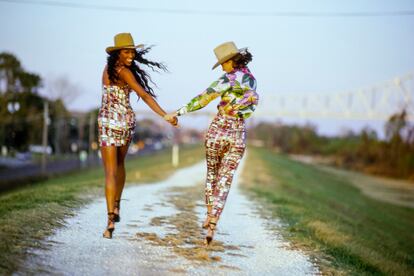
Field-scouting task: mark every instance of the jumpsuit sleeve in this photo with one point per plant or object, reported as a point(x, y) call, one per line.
point(211, 93)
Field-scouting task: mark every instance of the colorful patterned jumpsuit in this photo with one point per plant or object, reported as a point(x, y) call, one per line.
point(226, 137)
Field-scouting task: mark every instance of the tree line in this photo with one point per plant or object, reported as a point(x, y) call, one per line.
point(21, 123)
point(392, 156)
point(22, 113)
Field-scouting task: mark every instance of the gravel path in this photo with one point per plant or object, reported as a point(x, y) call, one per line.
point(249, 242)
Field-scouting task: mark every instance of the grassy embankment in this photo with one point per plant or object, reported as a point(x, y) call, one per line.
point(29, 214)
point(348, 232)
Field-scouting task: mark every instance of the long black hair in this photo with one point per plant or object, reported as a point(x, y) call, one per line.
point(140, 75)
point(241, 60)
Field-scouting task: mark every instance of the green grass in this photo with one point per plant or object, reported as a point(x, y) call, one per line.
point(30, 213)
point(347, 231)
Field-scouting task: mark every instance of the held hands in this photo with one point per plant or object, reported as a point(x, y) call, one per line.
point(171, 118)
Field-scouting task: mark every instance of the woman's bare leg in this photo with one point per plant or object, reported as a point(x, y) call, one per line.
point(109, 158)
point(120, 176)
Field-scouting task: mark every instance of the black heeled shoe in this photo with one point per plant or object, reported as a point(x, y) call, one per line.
point(110, 227)
point(210, 234)
point(117, 206)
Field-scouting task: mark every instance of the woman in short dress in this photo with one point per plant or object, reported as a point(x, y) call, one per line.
point(225, 140)
point(116, 120)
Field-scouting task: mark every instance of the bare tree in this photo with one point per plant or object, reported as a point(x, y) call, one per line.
point(63, 92)
point(61, 88)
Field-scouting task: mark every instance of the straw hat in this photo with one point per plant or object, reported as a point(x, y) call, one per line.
point(123, 41)
point(226, 51)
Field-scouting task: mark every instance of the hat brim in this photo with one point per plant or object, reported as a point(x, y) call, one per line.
point(228, 57)
point(110, 49)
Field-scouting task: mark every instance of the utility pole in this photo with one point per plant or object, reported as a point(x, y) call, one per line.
point(91, 131)
point(175, 155)
point(44, 136)
point(57, 139)
point(175, 149)
point(81, 131)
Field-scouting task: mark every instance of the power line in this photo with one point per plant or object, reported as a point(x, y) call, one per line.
point(209, 12)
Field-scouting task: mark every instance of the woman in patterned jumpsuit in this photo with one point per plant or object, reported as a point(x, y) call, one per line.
point(116, 119)
point(226, 137)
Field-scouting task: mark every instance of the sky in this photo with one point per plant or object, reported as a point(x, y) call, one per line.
point(292, 54)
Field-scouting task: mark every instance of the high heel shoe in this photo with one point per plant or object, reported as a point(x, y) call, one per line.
point(118, 207)
point(210, 234)
point(110, 227)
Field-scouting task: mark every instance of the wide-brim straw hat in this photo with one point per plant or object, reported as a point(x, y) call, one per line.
point(225, 52)
point(123, 41)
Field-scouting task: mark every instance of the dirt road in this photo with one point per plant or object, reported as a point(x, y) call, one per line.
point(160, 234)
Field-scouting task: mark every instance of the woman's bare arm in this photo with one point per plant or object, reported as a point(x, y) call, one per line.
point(127, 76)
point(105, 78)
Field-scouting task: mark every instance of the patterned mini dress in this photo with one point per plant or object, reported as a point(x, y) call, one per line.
point(116, 119)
